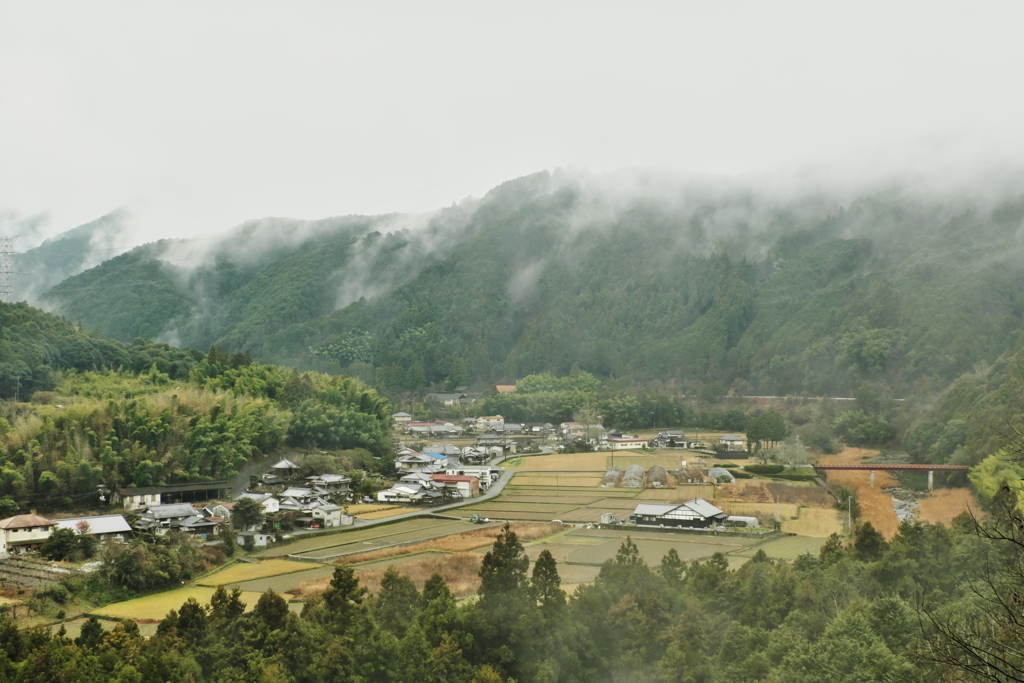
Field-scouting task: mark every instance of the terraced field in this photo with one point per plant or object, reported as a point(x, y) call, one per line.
point(155, 607)
point(784, 548)
point(243, 571)
point(398, 532)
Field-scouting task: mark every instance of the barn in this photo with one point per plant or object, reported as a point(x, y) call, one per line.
point(696, 513)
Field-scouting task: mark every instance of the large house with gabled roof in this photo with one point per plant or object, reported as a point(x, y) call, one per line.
point(24, 532)
point(696, 513)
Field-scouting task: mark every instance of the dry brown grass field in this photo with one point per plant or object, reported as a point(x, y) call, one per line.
point(763, 511)
point(681, 493)
point(564, 461)
point(815, 522)
point(875, 505)
point(668, 458)
point(385, 514)
point(459, 565)
point(473, 539)
point(945, 504)
point(459, 570)
point(398, 532)
point(747, 491)
point(562, 478)
point(360, 508)
point(566, 499)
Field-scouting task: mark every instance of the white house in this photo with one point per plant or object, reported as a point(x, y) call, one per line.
point(486, 475)
point(484, 423)
point(24, 532)
point(330, 515)
point(732, 442)
point(260, 539)
point(402, 418)
point(627, 443)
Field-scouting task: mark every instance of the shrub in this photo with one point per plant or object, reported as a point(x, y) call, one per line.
point(764, 469)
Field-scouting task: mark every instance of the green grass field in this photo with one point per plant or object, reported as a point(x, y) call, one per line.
point(241, 572)
point(785, 548)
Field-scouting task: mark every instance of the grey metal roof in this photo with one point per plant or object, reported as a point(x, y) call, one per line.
point(172, 510)
point(702, 507)
point(654, 508)
point(101, 524)
point(197, 521)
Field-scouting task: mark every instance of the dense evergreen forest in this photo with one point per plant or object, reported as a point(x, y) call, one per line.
point(870, 611)
point(99, 412)
point(682, 283)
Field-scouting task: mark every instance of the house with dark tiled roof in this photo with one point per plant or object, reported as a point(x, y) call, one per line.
point(696, 513)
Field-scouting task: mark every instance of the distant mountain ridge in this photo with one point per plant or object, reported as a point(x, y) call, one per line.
point(638, 277)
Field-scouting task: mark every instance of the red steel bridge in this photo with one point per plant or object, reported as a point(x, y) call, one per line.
point(871, 467)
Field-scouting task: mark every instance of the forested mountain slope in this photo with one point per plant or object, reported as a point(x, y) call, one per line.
point(38, 269)
point(93, 411)
point(637, 277)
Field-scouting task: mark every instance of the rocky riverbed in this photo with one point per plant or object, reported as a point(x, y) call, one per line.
point(904, 501)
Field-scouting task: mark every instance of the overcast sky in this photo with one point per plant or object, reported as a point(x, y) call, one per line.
point(197, 116)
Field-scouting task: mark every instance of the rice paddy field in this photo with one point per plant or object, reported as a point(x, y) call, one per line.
point(244, 571)
point(399, 532)
point(783, 548)
point(547, 496)
point(155, 607)
point(359, 509)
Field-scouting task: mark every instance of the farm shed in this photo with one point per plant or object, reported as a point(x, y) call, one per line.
point(612, 478)
point(634, 477)
point(696, 513)
point(657, 477)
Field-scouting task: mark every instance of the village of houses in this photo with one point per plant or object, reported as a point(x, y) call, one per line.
point(436, 472)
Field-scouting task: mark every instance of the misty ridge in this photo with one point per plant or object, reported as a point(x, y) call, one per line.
point(796, 280)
